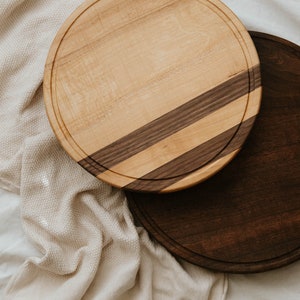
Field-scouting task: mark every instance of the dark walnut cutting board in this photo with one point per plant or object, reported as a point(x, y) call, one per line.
point(152, 96)
point(247, 217)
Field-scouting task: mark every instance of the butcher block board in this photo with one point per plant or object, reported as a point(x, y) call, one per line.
point(152, 96)
point(247, 217)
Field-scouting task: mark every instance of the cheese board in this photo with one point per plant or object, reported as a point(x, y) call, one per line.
point(247, 217)
point(152, 96)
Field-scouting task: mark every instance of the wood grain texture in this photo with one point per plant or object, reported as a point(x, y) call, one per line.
point(134, 87)
point(247, 217)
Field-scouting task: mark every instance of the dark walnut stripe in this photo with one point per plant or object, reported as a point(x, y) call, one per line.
point(194, 157)
point(92, 166)
point(171, 122)
point(254, 78)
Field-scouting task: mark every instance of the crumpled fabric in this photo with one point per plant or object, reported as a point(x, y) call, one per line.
point(86, 244)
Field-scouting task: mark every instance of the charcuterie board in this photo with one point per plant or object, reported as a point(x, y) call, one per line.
point(152, 96)
point(246, 218)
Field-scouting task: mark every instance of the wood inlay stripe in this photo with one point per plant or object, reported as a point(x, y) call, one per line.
point(184, 140)
point(92, 166)
point(171, 122)
point(201, 174)
point(195, 157)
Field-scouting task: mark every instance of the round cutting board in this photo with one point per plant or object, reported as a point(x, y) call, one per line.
point(152, 96)
point(247, 217)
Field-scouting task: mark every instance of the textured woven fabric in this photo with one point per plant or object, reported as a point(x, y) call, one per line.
point(87, 245)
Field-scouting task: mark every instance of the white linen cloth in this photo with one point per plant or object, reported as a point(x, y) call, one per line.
point(79, 240)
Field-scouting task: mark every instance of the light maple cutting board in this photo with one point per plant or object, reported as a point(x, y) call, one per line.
point(152, 96)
